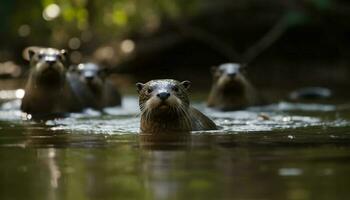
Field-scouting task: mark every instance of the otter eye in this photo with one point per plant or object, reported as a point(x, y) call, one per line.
point(176, 89)
point(61, 57)
point(149, 90)
point(40, 56)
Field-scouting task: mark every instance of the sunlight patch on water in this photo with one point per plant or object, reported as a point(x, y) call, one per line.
point(10, 111)
point(250, 120)
point(130, 107)
point(11, 94)
point(271, 117)
point(115, 120)
point(96, 126)
point(287, 106)
point(11, 105)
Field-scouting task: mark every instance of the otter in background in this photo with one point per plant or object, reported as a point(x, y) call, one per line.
point(165, 107)
point(92, 87)
point(231, 90)
point(47, 90)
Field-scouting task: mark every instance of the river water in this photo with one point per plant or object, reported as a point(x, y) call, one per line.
point(291, 151)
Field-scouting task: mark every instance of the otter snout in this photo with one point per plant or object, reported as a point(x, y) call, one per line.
point(163, 95)
point(232, 74)
point(89, 77)
point(50, 62)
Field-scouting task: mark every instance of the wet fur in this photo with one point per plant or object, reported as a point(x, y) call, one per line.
point(231, 93)
point(97, 94)
point(45, 100)
point(178, 117)
point(47, 92)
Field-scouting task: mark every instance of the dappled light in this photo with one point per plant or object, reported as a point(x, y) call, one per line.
point(51, 12)
point(127, 46)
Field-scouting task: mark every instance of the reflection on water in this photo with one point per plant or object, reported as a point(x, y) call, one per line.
point(11, 94)
point(158, 167)
point(48, 156)
point(280, 151)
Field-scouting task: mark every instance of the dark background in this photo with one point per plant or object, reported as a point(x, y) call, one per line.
point(285, 44)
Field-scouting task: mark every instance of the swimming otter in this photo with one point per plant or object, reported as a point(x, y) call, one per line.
point(230, 89)
point(310, 93)
point(47, 90)
point(165, 107)
point(92, 87)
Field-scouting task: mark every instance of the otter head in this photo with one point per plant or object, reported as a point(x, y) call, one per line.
point(229, 76)
point(47, 65)
point(163, 97)
point(92, 75)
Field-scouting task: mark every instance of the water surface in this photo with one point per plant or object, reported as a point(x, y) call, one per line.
point(280, 151)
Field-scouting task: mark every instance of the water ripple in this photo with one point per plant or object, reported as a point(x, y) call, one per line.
point(125, 119)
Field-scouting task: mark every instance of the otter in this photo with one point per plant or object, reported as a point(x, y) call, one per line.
point(47, 91)
point(231, 90)
point(165, 107)
point(94, 90)
point(310, 93)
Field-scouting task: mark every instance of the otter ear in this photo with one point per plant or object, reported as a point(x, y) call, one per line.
point(63, 53)
point(186, 84)
point(139, 86)
point(31, 53)
point(28, 54)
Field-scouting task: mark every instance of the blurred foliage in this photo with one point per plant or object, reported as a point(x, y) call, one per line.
point(93, 23)
point(322, 4)
point(82, 18)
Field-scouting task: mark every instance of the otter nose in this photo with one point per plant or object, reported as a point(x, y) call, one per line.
point(50, 62)
point(232, 74)
point(163, 95)
point(89, 78)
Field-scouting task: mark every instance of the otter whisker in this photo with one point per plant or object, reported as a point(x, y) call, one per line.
point(186, 120)
point(165, 107)
point(142, 110)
